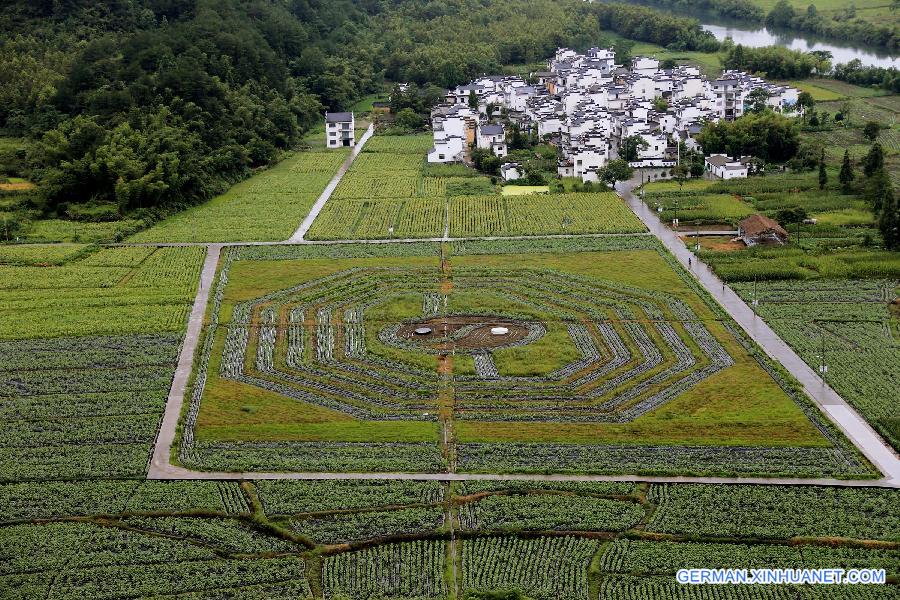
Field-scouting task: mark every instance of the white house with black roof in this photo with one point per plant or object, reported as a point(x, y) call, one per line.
point(340, 130)
point(492, 137)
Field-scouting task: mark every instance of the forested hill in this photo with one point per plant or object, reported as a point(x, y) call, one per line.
point(155, 104)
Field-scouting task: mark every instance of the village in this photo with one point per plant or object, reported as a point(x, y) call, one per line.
point(586, 105)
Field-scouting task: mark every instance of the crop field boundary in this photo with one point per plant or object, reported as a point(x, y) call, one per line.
point(827, 400)
point(161, 466)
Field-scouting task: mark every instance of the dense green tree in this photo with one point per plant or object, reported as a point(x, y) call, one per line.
point(770, 137)
point(631, 146)
point(616, 170)
point(781, 15)
point(409, 120)
point(846, 175)
point(879, 190)
point(873, 160)
point(790, 216)
point(757, 100)
point(823, 174)
point(806, 101)
point(871, 130)
point(889, 222)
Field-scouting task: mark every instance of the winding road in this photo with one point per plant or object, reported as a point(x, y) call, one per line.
point(837, 409)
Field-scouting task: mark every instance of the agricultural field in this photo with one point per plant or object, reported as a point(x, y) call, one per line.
point(266, 207)
point(610, 362)
point(88, 343)
point(391, 192)
point(850, 321)
point(541, 214)
point(380, 219)
point(842, 220)
point(829, 90)
point(112, 539)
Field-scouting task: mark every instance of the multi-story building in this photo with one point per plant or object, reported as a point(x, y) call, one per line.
point(340, 130)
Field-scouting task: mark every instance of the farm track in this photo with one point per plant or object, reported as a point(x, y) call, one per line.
point(837, 409)
point(329, 189)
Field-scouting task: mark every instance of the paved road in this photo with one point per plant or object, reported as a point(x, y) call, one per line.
point(841, 413)
point(329, 189)
point(159, 463)
point(487, 238)
point(173, 472)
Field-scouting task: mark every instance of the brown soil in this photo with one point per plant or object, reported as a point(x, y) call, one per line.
point(480, 337)
point(719, 244)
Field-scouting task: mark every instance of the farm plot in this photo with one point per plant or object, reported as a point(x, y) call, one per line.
point(293, 497)
point(540, 215)
point(850, 322)
point(266, 207)
point(200, 539)
point(101, 295)
point(545, 512)
point(543, 568)
point(607, 361)
point(711, 208)
point(39, 254)
point(723, 511)
point(645, 558)
point(87, 354)
point(69, 560)
point(400, 144)
point(380, 219)
point(339, 527)
point(410, 570)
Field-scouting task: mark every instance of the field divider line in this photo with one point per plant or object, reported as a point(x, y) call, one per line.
point(329, 189)
point(838, 410)
point(160, 465)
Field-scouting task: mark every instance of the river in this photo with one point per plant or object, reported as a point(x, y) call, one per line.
point(797, 41)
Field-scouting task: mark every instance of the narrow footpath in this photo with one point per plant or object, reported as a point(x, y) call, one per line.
point(838, 410)
point(329, 189)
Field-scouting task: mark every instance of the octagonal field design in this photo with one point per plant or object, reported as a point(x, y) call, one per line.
point(317, 342)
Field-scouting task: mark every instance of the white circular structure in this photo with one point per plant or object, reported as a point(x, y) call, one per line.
point(423, 330)
point(499, 330)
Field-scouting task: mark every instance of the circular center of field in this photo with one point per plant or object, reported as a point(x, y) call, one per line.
point(464, 332)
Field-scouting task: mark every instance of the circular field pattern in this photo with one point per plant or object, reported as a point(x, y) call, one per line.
point(574, 348)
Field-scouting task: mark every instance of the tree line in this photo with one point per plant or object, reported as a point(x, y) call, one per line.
point(842, 24)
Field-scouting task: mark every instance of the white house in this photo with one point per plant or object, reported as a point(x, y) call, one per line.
point(339, 130)
point(511, 171)
point(724, 168)
point(492, 137)
point(644, 65)
point(454, 129)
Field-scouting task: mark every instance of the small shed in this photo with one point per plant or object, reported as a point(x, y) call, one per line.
point(511, 171)
point(759, 229)
point(723, 167)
